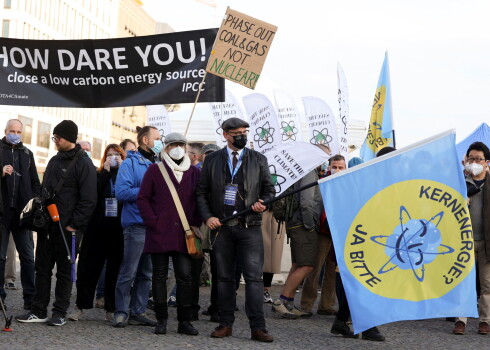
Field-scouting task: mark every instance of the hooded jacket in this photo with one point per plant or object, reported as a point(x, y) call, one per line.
point(128, 184)
point(77, 197)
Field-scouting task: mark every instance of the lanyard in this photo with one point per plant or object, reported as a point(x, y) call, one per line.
point(113, 189)
point(230, 166)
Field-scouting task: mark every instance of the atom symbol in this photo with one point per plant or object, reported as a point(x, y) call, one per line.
point(219, 131)
point(162, 135)
point(321, 137)
point(277, 180)
point(289, 131)
point(377, 125)
point(264, 134)
point(413, 244)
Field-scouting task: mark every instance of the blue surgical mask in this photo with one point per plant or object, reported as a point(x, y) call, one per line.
point(13, 139)
point(89, 154)
point(157, 146)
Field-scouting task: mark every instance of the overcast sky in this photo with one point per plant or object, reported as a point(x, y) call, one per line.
point(439, 54)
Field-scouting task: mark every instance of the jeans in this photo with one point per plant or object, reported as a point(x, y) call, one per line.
point(182, 267)
point(247, 243)
point(135, 272)
point(25, 246)
point(50, 250)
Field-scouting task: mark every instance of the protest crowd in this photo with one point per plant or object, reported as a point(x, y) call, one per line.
point(145, 221)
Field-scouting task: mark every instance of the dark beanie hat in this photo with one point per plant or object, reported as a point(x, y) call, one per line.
point(67, 129)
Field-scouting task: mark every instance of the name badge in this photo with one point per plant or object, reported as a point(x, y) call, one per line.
point(230, 194)
point(111, 207)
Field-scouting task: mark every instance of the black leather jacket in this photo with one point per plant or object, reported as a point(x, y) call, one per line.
point(211, 187)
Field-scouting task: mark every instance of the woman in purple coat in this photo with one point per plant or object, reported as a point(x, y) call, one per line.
point(165, 235)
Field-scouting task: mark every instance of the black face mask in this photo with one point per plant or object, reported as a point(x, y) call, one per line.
point(239, 141)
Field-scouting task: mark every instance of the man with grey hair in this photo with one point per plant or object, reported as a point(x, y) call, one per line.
point(20, 183)
point(87, 147)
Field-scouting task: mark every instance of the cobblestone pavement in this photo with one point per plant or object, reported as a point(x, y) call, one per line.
point(92, 332)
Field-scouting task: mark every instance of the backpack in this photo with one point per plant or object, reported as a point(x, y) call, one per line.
point(283, 209)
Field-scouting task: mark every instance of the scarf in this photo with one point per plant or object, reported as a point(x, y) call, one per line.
point(178, 169)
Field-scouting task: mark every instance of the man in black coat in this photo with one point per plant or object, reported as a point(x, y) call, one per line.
point(232, 179)
point(75, 201)
point(20, 183)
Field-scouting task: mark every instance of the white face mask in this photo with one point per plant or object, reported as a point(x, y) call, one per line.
point(474, 168)
point(177, 153)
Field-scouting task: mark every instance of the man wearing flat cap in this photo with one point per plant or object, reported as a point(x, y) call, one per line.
point(75, 200)
point(232, 179)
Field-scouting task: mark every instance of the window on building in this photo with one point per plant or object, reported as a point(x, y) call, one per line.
point(7, 4)
point(97, 148)
point(5, 28)
point(27, 130)
point(43, 134)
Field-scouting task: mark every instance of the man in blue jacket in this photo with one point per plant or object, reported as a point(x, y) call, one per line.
point(134, 280)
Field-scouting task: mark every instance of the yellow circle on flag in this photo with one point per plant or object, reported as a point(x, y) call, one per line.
point(412, 240)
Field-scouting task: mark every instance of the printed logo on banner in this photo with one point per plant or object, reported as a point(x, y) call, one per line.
point(411, 244)
point(162, 135)
point(277, 179)
point(321, 137)
point(289, 130)
point(264, 135)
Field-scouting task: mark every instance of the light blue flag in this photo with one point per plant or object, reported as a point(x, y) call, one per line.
point(402, 235)
point(380, 131)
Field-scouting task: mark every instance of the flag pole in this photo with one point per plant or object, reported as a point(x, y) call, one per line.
point(394, 143)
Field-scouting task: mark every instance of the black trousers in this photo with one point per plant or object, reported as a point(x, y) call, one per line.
point(50, 250)
point(344, 312)
point(182, 269)
point(99, 247)
point(196, 268)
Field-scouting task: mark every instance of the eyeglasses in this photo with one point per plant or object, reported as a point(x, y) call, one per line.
point(237, 133)
point(477, 160)
point(55, 139)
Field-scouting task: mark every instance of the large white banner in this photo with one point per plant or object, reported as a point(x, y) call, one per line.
point(343, 113)
point(222, 111)
point(264, 127)
point(320, 119)
point(157, 116)
point(290, 162)
point(288, 116)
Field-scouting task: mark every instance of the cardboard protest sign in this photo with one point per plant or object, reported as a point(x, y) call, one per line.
point(158, 117)
point(143, 70)
point(241, 48)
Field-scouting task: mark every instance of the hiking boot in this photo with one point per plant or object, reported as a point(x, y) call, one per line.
point(31, 318)
point(300, 313)
point(141, 320)
point(267, 298)
point(373, 334)
point(76, 314)
point(283, 309)
point(185, 327)
point(161, 327)
point(119, 321)
point(459, 328)
point(340, 327)
point(483, 328)
point(56, 321)
point(100, 303)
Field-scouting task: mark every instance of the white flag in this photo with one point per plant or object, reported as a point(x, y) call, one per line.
point(288, 116)
point(264, 127)
point(343, 113)
point(157, 116)
point(222, 111)
point(320, 119)
point(290, 162)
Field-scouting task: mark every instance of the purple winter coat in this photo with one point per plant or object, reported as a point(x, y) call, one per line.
point(164, 230)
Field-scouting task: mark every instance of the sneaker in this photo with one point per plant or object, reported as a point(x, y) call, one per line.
point(11, 286)
point(373, 334)
point(76, 314)
point(300, 313)
point(267, 297)
point(56, 321)
point(282, 309)
point(30, 318)
point(172, 301)
point(109, 316)
point(119, 321)
point(141, 320)
point(100, 303)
